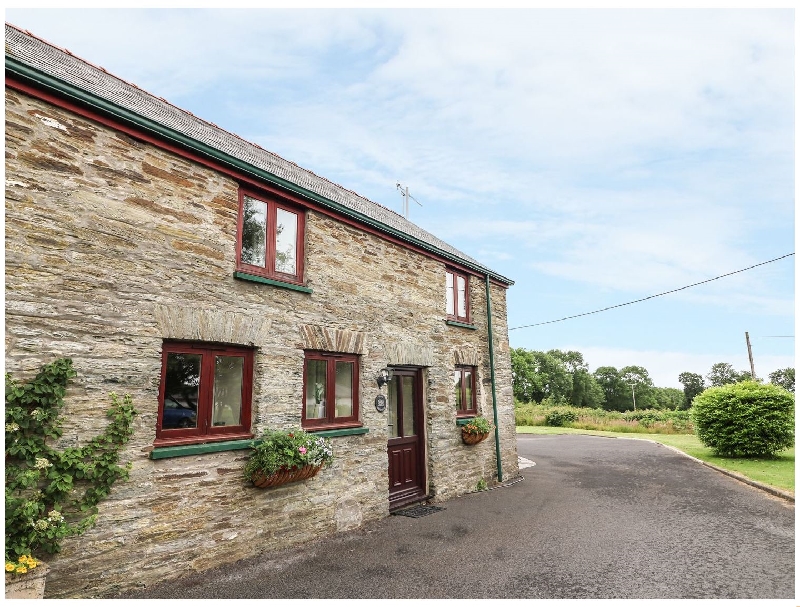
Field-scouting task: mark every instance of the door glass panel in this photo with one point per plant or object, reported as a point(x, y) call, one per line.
point(286, 242)
point(181, 389)
point(228, 377)
point(254, 232)
point(462, 296)
point(315, 388)
point(451, 309)
point(344, 389)
point(393, 390)
point(408, 405)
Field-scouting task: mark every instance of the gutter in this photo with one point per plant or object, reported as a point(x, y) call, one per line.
point(494, 392)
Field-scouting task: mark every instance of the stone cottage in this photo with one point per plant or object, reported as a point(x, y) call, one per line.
point(140, 238)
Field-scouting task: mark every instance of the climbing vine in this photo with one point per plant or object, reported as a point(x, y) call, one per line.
point(52, 494)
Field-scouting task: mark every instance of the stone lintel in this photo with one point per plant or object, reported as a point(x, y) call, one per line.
point(327, 339)
point(185, 323)
point(410, 354)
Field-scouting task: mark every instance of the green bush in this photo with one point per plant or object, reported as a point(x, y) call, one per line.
point(560, 416)
point(746, 419)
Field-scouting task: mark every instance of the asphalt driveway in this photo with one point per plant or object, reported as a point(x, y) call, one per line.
point(593, 518)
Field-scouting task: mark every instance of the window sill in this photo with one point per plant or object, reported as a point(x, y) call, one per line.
point(338, 432)
point(463, 325)
point(463, 421)
point(195, 449)
point(270, 281)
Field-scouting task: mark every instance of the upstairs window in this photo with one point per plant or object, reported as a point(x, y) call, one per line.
point(330, 390)
point(464, 384)
point(271, 237)
point(457, 296)
point(205, 393)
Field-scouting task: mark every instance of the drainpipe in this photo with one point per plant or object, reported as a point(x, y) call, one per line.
point(494, 393)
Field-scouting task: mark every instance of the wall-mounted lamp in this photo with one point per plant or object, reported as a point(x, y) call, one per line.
point(384, 375)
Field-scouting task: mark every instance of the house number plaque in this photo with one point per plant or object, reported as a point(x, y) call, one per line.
point(380, 403)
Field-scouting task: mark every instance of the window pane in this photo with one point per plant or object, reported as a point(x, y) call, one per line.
point(457, 383)
point(394, 431)
point(462, 296)
point(181, 390)
point(451, 309)
point(468, 389)
point(344, 389)
point(286, 243)
point(254, 232)
point(408, 406)
point(228, 377)
point(315, 388)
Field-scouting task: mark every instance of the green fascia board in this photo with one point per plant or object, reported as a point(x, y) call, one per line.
point(182, 450)
point(64, 88)
point(463, 325)
point(269, 281)
point(340, 432)
point(463, 421)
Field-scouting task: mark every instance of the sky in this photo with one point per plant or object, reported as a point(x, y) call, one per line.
point(594, 156)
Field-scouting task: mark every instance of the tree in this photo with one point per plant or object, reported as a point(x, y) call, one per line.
point(745, 419)
point(642, 386)
point(667, 398)
point(722, 374)
point(693, 384)
point(614, 389)
point(585, 391)
point(523, 378)
point(538, 375)
point(783, 378)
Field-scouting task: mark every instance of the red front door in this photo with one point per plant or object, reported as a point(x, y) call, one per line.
point(406, 444)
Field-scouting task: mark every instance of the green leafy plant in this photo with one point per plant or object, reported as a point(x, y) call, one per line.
point(477, 425)
point(52, 494)
point(481, 486)
point(746, 419)
point(559, 416)
point(285, 450)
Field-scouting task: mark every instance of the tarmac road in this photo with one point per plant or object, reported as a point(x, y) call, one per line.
point(593, 518)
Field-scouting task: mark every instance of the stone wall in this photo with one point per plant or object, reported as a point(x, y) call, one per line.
point(113, 245)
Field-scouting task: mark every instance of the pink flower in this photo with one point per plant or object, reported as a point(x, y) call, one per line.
point(302, 450)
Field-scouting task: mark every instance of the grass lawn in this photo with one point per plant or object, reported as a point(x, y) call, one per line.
point(778, 472)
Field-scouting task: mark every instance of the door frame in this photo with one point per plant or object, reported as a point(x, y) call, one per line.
point(419, 493)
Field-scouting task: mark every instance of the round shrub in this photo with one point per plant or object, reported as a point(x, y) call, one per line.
point(746, 419)
point(560, 416)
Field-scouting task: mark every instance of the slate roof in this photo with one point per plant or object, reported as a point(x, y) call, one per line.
point(51, 61)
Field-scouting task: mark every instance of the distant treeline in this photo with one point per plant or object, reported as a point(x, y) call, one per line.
point(556, 377)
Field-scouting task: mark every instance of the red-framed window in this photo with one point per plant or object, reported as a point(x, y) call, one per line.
point(330, 390)
point(205, 393)
point(457, 296)
point(464, 379)
point(270, 238)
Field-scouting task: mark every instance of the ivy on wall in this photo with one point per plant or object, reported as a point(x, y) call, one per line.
point(50, 493)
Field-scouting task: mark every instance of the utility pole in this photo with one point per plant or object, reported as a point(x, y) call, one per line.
point(750, 354)
point(633, 392)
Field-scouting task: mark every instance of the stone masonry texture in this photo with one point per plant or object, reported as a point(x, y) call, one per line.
point(114, 245)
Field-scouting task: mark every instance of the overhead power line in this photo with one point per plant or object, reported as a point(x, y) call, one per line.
point(763, 263)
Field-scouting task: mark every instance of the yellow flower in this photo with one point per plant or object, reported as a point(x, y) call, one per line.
point(10, 567)
point(21, 569)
